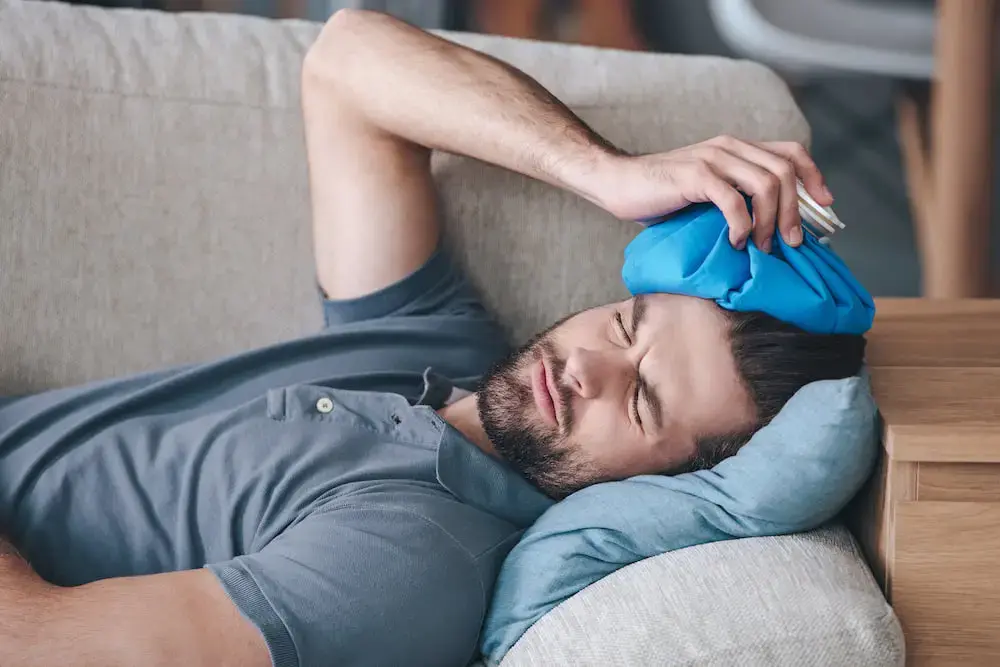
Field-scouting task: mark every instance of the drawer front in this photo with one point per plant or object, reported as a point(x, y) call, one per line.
point(946, 581)
point(957, 482)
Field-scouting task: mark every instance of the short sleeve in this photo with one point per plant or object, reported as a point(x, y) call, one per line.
point(436, 288)
point(360, 586)
point(432, 318)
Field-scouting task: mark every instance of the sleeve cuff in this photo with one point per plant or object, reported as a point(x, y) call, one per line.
point(389, 299)
point(248, 598)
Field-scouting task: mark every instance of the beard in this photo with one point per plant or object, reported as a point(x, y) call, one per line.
point(542, 454)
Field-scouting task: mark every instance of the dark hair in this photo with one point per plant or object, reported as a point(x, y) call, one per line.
point(776, 359)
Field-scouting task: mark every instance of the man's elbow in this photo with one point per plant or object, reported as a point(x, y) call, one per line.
point(339, 47)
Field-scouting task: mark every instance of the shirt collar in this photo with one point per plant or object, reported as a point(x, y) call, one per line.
point(472, 475)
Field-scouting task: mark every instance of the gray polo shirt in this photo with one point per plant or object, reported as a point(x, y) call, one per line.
point(313, 478)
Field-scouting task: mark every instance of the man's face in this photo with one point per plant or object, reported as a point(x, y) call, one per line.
point(615, 391)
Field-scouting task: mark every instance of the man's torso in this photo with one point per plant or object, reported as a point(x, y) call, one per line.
point(280, 469)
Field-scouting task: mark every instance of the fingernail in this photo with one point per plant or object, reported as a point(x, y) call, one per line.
point(765, 245)
point(795, 236)
point(827, 192)
point(741, 244)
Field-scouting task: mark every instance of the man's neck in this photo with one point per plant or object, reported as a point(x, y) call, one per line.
point(463, 416)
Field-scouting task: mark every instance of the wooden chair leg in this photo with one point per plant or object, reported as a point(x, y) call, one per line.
point(911, 122)
point(956, 247)
point(292, 9)
point(510, 18)
point(609, 24)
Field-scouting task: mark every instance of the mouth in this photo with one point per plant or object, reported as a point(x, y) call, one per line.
point(543, 390)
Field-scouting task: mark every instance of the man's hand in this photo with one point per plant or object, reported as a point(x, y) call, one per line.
point(721, 171)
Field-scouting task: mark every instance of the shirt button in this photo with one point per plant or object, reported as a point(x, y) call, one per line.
point(324, 405)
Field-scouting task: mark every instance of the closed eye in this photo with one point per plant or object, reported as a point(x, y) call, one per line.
point(640, 389)
point(621, 328)
point(639, 383)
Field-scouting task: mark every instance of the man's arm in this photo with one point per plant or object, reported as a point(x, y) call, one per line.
point(180, 618)
point(378, 95)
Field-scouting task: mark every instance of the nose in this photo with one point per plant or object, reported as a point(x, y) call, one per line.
point(589, 373)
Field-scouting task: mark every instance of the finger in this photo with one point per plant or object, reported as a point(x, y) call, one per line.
point(763, 187)
point(732, 205)
point(784, 171)
point(805, 168)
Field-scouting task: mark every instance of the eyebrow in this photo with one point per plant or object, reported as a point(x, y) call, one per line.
point(639, 309)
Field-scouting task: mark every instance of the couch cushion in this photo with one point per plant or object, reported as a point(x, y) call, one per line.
point(153, 184)
point(805, 599)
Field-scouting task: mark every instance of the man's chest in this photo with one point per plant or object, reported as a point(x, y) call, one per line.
point(154, 493)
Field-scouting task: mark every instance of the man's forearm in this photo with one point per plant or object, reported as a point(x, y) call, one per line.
point(23, 597)
point(436, 94)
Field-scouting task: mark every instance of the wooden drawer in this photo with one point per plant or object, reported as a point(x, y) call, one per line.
point(946, 588)
point(959, 482)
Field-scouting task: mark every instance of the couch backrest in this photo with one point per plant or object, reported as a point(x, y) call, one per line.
point(153, 201)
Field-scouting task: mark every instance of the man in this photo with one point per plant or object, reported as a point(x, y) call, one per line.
point(338, 499)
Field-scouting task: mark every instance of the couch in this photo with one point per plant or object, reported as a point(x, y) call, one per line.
point(154, 212)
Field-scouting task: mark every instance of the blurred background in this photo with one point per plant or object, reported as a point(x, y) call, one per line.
point(910, 166)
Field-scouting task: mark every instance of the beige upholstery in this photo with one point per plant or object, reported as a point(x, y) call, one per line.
point(153, 196)
point(714, 606)
point(153, 211)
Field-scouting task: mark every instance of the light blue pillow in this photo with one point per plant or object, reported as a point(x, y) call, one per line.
point(792, 476)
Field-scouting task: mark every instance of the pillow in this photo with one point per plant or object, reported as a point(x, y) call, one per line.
point(793, 475)
point(808, 286)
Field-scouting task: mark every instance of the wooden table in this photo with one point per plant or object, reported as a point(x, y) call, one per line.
point(929, 520)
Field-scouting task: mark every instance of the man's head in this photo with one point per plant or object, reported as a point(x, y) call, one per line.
point(655, 384)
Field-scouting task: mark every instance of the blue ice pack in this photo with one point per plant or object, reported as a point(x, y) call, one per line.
point(690, 254)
